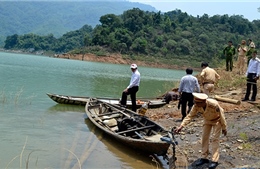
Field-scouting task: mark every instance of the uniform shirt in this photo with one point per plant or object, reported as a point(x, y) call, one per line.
point(257, 59)
point(135, 79)
point(209, 75)
point(252, 45)
point(212, 114)
point(229, 51)
point(242, 50)
point(253, 67)
point(189, 84)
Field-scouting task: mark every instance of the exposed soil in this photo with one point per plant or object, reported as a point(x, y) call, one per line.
point(239, 149)
point(115, 59)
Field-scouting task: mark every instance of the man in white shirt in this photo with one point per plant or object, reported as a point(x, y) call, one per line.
point(132, 88)
point(188, 85)
point(252, 73)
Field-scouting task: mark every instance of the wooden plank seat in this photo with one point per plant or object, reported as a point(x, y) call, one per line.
point(110, 113)
point(136, 129)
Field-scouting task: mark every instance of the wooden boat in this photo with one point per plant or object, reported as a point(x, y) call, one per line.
point(131, 129)
point(79, 100)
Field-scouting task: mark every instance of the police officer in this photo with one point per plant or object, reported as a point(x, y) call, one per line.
point(229, 52)
point(214, 119)
point(250, 50)
point(242, 51)
point(209, 78)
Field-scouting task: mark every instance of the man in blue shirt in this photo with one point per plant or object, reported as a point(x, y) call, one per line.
point(132, 88)
point(252, 73)
point(188, 85)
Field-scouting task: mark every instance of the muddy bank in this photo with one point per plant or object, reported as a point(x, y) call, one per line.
point(117, 59)
point(239, 149)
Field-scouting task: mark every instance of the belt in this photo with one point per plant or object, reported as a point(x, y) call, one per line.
point(207, 83)
point(215, 119)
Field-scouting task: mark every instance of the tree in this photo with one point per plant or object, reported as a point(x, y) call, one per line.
point(11, 41)
point(139, 45)
point(134, 19)
point(111, 21)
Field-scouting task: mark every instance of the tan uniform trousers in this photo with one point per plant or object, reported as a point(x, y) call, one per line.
point(216, 131)
point(208, 88)
point(241, 65)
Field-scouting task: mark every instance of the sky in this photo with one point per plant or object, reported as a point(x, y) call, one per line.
point(247, 8)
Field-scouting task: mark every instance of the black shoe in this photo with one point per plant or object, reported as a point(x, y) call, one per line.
point(252, 100)
point(243, 100)
point(202, 161)
point(124, 106)
point(213, 165)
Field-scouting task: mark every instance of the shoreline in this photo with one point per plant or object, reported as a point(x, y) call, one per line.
point(113, 59)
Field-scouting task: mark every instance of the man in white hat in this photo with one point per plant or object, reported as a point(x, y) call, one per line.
point(132, 88)
point(214, 120)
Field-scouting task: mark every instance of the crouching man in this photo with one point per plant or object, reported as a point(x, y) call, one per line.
point(214, 120)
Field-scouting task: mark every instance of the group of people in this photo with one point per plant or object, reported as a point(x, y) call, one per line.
point(246, 58)
point(196, 101)
point(244, 53)
point(213, 114)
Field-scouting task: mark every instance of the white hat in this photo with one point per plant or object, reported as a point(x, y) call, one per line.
point(133, 66)
point(200, 96)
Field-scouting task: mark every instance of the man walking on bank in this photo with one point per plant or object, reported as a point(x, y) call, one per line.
point(132, 88)
point(209, 77)
point(214, 120)
point(188, 85)
point(229, 53)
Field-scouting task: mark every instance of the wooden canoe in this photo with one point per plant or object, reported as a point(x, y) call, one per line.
point(129, 128)
point(81, 100)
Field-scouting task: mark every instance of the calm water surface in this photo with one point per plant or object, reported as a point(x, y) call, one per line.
point(36, 131)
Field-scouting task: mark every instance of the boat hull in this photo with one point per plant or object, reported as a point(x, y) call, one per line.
point(149, 142)
point(79, 100)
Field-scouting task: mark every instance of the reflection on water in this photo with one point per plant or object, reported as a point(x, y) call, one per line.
point(66, 107)
point(129, 157)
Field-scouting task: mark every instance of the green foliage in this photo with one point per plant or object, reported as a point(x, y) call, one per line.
point(173, 36)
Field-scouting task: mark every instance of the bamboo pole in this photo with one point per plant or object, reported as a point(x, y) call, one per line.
point(228, 100)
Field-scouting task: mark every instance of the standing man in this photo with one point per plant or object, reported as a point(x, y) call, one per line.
point(250, 50)
point(252, 73)
point(188, 85)
point(214, 120)
point(229, 52)
point(132, 88)
point(242, 51)
point(209, 78)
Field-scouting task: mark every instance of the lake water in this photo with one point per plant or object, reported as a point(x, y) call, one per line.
point(37, 132)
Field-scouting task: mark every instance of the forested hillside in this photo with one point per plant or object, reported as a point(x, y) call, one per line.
point(174, 36)
point(56, 17)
